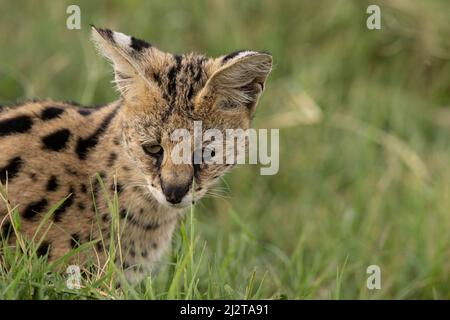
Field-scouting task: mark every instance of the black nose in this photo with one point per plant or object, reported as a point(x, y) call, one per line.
point(174, 193)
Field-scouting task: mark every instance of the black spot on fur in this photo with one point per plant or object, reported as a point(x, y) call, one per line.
point(144, 253)
point(131, 220)
point(190, 92)
point(112, 159)
point(19, 124)
point(33, 177)
point(99, 246)
point(43, 249)
point(84, 112)
point(66, 205)
point(34, 208)
point(56, 141)
point(52, 184)
point(51, 113)
point(102, 175)
point(81, 206)
point(157, 78)
point(11, 169)
point(232, 55)
point(117, 187)
point(75, 240)
point(154, 245)
point(83, 188)
point(132, 253)
point(95, 187)
point(197, 168)
point(138, 44)
point(6, 230)
point(85, 145)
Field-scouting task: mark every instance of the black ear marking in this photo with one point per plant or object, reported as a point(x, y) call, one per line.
point(138, 44)
point(105, 33)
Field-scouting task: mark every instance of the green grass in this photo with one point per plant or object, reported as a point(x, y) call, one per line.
point(364, 124)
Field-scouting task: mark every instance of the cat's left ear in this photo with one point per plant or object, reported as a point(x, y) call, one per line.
point(239, 81)
point(127, 55)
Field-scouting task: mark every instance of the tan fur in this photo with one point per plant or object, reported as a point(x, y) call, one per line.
point(159, 93)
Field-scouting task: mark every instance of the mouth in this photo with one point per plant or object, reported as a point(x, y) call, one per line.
point(180, 205)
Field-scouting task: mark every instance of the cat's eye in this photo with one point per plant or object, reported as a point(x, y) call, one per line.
point(154, 150)
point(208, 154)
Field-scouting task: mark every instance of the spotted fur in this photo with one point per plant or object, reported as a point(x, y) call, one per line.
point(54, 151)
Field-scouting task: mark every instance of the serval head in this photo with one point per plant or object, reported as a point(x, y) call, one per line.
point(162, 92)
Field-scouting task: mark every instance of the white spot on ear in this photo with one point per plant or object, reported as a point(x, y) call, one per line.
point(242, 54)
point(122, 39)
point(245, 53)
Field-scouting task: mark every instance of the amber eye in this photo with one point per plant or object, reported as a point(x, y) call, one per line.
point(154, 150)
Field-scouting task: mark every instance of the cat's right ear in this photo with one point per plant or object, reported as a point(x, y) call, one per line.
point(127, 55)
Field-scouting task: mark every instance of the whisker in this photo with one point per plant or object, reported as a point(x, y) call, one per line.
point(219, 191)
point(222, 178)
point(217, 195)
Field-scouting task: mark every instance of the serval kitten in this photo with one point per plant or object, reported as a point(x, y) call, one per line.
point(50, 151)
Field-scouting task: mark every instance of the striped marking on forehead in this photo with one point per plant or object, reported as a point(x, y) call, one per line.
point(170, 91)
point(172, 76)
point(184, 77)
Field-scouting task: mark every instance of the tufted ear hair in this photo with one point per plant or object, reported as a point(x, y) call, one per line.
point(239, 81)
point(127, 55)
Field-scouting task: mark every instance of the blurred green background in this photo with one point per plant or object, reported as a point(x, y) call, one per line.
point(364, 118)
